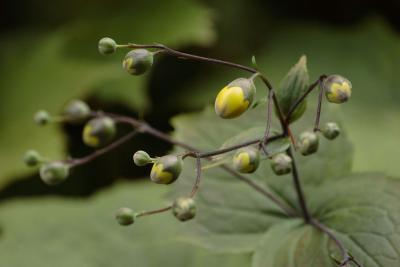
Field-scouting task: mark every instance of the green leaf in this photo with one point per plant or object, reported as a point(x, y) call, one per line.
point(83, 233)
point(362, 209)
point(45, 70)
point(292, 87)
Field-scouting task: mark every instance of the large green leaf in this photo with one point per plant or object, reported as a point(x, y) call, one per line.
point(234, 218)
point(83, 233)
point(46, 70)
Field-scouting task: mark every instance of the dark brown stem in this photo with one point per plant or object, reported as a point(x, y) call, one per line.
point(299, 190)
point(198, 177)
point(346, 257)
point(151, 212)
point(320, 96)
point(79, 161)
point(269, 119)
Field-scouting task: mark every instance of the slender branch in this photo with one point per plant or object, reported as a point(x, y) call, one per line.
point(198, 178)
point(297, 185)
point(268, 127)
point(151, 212)
point(79, 161)
point(274, 198)
point(301, 99)
point(320, 96)
point(346, 257)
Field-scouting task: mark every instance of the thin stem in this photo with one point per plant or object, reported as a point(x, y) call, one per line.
point(346, 257)
point(151, 212)
point(79, 161)
point(183, 55)
point(268, 127)
point(198, 178)
point(301, 99)
point(299, 190)
point(320, 97)
point(286, 208)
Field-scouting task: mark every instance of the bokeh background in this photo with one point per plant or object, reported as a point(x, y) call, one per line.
point(48, 55)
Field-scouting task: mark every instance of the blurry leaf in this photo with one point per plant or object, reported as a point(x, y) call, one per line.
point(362, 209)
point(44, 71)
point(292, 87)
point(84, 233)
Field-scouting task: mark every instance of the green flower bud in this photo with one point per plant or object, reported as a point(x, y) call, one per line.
point(32, 158)
point(166, 169)
point(125, 216)
point(76, 111)
point(107, 46)
point(331, 130)
point(184, 209)
point(54, 173)
point(138, 61)
point(99, 131)
point(141, 158)
point(308, 143)
point(246, 160)
point(42, 117)
point(235, 98)
point(337, 89)
point(281, 164)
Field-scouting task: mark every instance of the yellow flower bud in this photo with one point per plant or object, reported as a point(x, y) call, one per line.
point(235, 98)
point(337, 89)
point(166, 169)
point(246, 160)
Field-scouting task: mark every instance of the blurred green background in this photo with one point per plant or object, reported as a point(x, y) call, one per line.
point(48, 55)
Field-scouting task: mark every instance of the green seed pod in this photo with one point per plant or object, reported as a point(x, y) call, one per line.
point(32, 158)
point(54, 173)
point(281, 164)
point(235, 98)
point(42, 117)
point(141, 158)
point(184, 209)
point(331, 130)
point(337, 89)
point(166, 169)
point(107, 46)
point(246, 160)
point(98, 131)
point(76, 111)
point(138, 61)
point(125, 216)
point(308, 143)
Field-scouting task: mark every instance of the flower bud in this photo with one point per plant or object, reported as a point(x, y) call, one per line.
point(281, 164)
point(184, 209)
point(107, 46)
point(331, 130)
point(42, 117)
point(54, 173)
point(98, 131)
point(32, 158)
point(246, 160)
point(337, 89)
point(125, 216)
point(76, 111)
point(235, 98)
point(141, 158)
point(308, 143)
point(166, 169)
point(138, 61)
